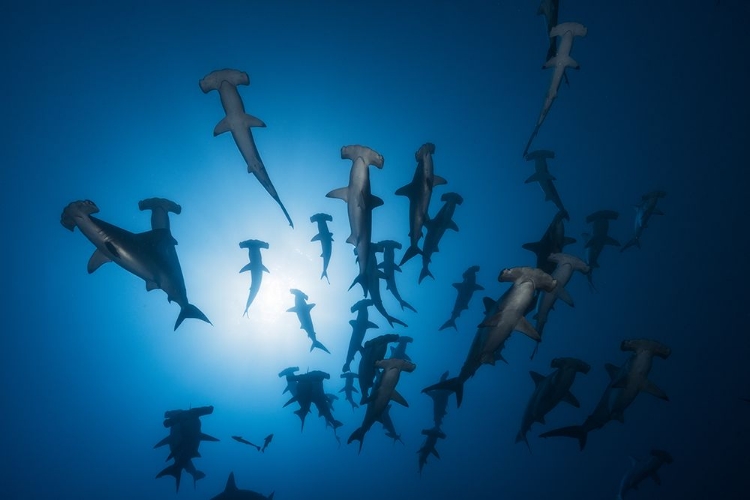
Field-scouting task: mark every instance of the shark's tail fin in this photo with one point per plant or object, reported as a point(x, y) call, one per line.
point(521, 436)
point(536, 349)
point(455, 384)
point(412, 251)
point(424, 273)
point(324, 274)
point(190, 311)
point(319, 345)
point(405, 304)
point(450, 323)
point(573, 431)
point(173, 470)
point(357, 435)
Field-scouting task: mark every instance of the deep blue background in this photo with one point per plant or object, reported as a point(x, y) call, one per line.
point(102, 102)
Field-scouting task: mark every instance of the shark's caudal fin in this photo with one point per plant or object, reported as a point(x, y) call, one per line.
point(172, 470)
point(357, 435)
point(450, 323)
point(412, 251)
point(424, 273)
point(319, 345)
point(190, 311)
point(573, 431)
point(454, 384)
point(521, 436)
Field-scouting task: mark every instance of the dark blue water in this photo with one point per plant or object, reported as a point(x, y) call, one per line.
point(103, 103)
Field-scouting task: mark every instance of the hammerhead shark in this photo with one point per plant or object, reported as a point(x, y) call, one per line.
point(643, 212)
point(360, 325)
point(566, 266)
point(428, 448)
point(549, 391)
point(419, 192)
point(550, 9)
point(242, 440)
point(383, 395)
point(640, 470)
point(149, 255)
point(560, 62)
point(552, 241)
point(238, 122)
point(373, 351)
point(360, 202)
point(436, 228)
point(599, 237)
point(255, 266)
point(543, 177)
point(349, 388)
point(389, 268)
point(465, 291)
point(507, 315)
point(302, 308)
point(325, 237)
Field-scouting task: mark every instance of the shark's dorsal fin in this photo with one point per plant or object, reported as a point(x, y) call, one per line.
point(489, 304)
point(231, 485)
point(612, 370)
point(398, 398)
point(96, 260)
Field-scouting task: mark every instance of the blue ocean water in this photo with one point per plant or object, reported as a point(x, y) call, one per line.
point(102, 102)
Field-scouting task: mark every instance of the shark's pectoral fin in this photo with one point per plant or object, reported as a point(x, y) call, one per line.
point(611, 241)
point(489, 304)
point(538, 177)
point(452, 225)
point(247, 267)
point(652, 389)
point(656, 478)
point(251, 121)
point(438, 181)
point(341, 193)
point(568, 241)
point(96, 260)
point(162, 442)
point(656, 211)
point(370, 324)
point(221, 127)
point(563, 295)
point(398, 398)
point(316, 237)
point(538, 378)
point(527, 329)
point(264, 268)
point(435, 452)
point(571, 400)
point(406, 190)
point(206, 437)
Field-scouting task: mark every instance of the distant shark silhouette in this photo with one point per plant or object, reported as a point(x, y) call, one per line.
point(231, 492)
point(419, 191)
point(325, 237)
point(149, 255)
point(552, 241)
point(641, 470)
point(543, 177)
point(598, 238)
point(360, 325)
point(255, 266)
point(389, 268)
point(359, 203)
point(643, 212)
point(560, 62)
point(428, 448)
point(238, 122)
point(550, 9)
point(302, 308)
point(465, 291)
point(240, 439)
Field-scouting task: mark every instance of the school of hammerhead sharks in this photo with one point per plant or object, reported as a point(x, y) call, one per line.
point(151, 255)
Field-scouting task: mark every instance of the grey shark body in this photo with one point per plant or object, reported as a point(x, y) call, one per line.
point(255, 266)
point(372, 277)
point(349, 388)
point(549, 391)
point(238, 122)
point(419, 192)
point(641, 470)
point(560, 62)
point(399, 350)
point(231, 492)
point(599, 237)
point(325, 237)
point(550, 9)
point(150, 255)
point(507, 315)
point(302, 309)
point(465, 291)
point(643, 213)
point(373, 351)
point(384, 393)
point(439, 402)
point(436, 228)
point(389, 268)
point(360, 203)
point(542, 176)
